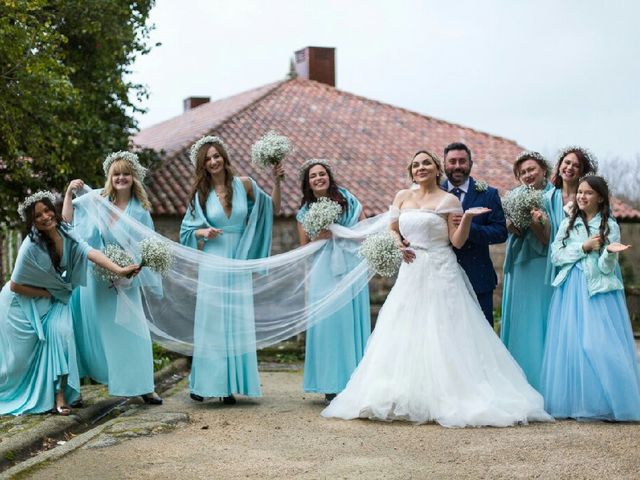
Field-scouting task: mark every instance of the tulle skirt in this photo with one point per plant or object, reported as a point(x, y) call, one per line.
point(434, 357)
point(590, 366)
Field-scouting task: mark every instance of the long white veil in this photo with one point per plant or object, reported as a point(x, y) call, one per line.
point(279, 292)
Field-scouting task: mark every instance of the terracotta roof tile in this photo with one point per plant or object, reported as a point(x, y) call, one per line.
point(368, 142)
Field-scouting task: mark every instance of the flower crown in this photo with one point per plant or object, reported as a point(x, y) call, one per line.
point(33, 199)
point(195, 148)
point(530, 155)
point(591, 158)
point(593, 174)
point(130, 158)
point(311, 162)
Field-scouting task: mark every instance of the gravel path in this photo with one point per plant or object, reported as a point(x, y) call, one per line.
point(283, 436)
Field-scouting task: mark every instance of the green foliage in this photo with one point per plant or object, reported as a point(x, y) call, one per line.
point(65, 97)
point(161, 357)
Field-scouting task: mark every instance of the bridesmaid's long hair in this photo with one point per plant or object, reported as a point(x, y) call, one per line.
point(586, 167)
point(308, 197)
point(43, 240)
point(202, 178)
point(600, 186)
point(121, 166)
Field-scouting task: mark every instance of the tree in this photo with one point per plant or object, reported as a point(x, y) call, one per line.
point(65, 100)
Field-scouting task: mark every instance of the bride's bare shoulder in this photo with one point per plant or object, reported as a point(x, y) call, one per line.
point(402, 195)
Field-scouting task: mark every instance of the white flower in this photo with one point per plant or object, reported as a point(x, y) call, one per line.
point(320, 215)
point(270, 149)
point(381, 253)
point(31, 199)
point(481, 186)
point(156, 255)
point(519, 202)
point(130, 158)
point(117, 255)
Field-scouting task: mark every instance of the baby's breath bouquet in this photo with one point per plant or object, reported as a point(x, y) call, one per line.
point(320, 215)
point(381, 253)
point(519, 202)
point(156, 255)
point(117, 255)
point(270, 150)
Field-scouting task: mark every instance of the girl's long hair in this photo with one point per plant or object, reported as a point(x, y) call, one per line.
point(599, 185)
point(42, 240)
point(121, 166)
point(202, 178)
point(308, 197)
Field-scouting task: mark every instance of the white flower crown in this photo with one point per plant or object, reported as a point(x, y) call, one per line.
point(195, 148)
point(311, 162)
point(529, 154)
point(130, 158)
point(591, 158)
point(32, 199)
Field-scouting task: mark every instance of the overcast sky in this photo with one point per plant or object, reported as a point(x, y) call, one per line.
point(543, 73)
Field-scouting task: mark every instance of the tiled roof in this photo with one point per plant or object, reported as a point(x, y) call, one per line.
point(369, 144)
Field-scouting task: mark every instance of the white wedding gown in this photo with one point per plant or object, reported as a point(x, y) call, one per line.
point(433, 355)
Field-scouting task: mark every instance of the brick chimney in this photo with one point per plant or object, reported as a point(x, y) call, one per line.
point(190, 103)
point(317, 63)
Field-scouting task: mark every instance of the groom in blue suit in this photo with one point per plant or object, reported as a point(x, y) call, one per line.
point(486, 229)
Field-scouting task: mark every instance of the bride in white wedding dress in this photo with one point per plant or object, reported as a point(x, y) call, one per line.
point(432, 355)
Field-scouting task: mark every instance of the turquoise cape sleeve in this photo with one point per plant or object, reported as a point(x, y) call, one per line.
point(256, 238)
point(34, 266)
point(193, 220)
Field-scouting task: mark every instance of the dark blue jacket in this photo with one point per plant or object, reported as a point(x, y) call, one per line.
point(486, 229)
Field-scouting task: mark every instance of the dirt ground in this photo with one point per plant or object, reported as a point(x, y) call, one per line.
point(283, 436)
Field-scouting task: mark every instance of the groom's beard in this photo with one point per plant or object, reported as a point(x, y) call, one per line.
point(457, 176)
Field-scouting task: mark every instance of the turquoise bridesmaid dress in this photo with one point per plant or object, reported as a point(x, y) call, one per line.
point(590, 367)
point(335, 344)
point(36, 334)
point(109, 352)
point(227, 323)
point(525, 301)
point(552, 202)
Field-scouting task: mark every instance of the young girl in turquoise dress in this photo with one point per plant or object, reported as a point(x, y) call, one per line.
point(590, 366)
point(38, 369)
point(526, 296)
point(227, 216)
point(109, 352)
point(573, 163)
point(335, 345)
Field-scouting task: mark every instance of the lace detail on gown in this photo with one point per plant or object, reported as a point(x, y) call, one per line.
point(433, 356)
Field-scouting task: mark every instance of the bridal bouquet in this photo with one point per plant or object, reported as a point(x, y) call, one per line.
point(117, 255)
point(270, 150)
point(156, 255)
point(320, 215)
point(381, 253)
point(518, 204)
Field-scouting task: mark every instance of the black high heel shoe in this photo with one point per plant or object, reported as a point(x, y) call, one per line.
point(328, 397)
point(230, 400)
point(151, 398)
point(196, 397)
